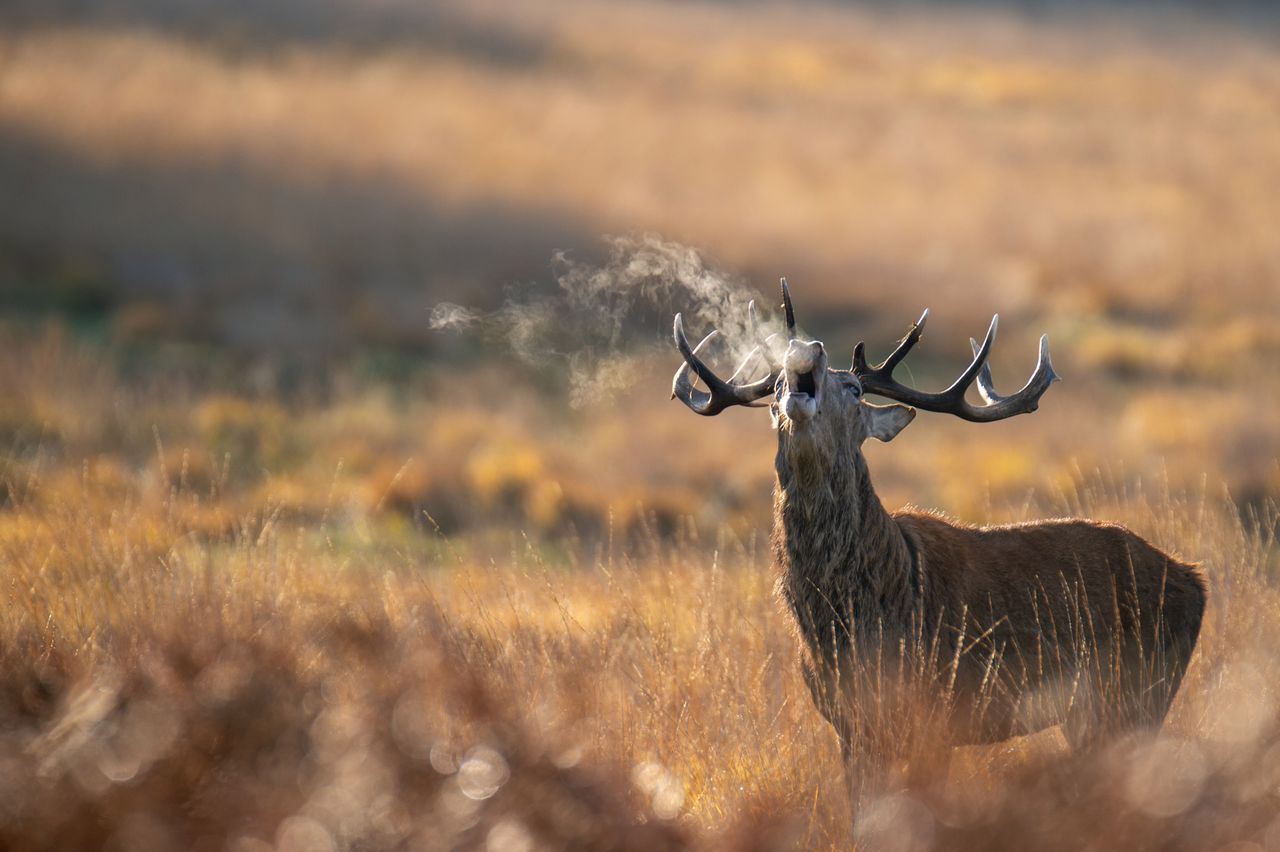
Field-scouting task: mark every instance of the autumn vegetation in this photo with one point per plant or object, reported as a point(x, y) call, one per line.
point(287, 567)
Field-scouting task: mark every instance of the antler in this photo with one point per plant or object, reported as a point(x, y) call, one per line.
point(721, 394)
point(879, 380)
point(788, 310)
point(764, 347)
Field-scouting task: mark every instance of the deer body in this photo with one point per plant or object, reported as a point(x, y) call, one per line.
point(1011, 628)
point(1013, 595)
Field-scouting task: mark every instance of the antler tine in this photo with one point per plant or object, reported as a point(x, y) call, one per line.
point(790, 311)
point(760, 350)
point(719, 394)
point(879, 380)
point(765, 344)
point(986, 387)
point(909, 340)
point(743, 364)
point(979, 361)
point(904, 346)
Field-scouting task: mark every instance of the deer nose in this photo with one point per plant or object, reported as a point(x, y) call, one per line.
point(804, 356)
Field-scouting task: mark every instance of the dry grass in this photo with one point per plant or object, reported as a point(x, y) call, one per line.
point(205, 656)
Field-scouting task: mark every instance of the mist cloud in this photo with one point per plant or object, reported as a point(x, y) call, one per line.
point(601, 316)
point(453, 317)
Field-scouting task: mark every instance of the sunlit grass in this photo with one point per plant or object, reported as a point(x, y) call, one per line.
point(660, 663)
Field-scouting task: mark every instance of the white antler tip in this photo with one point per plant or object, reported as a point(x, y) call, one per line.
point(1044, 358)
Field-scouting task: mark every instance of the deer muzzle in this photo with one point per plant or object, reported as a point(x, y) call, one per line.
point(805, 366)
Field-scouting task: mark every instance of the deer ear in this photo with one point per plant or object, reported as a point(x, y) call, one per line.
point(886, 421)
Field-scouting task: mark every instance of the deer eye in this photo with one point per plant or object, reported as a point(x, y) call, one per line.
point(853, 388)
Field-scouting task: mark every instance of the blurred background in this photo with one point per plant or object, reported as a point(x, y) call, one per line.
point(342, 500)
point(454, 235)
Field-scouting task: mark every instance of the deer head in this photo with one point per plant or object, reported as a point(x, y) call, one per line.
point(814, 404)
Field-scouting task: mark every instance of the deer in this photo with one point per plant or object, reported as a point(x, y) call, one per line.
point(1014, 628)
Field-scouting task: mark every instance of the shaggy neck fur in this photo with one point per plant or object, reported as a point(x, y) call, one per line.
point(845, 566)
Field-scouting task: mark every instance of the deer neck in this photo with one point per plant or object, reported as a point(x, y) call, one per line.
point(844, 563)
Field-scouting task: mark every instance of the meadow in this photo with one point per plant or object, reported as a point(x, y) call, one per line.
point(234, 620)
point(338, 510)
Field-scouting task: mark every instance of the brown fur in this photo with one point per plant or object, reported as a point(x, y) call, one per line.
point(1065, 621)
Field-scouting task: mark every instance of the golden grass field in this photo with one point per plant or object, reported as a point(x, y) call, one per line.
point(289, 568)
point(200, 653)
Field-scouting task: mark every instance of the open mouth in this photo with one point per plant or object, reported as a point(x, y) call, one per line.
point(806, 368)
point(805, 384)
point(800, 402)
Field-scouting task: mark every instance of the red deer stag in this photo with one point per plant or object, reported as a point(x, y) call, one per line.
point(1071, 622)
